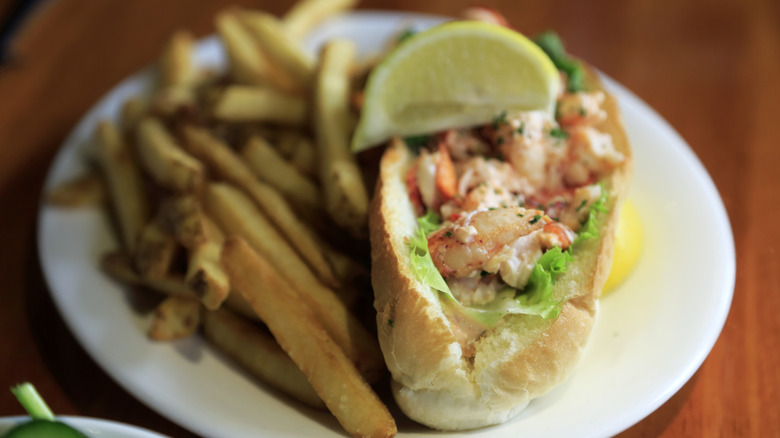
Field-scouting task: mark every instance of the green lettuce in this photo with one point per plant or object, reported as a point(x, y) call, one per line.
point(429, 223)
point(420, 257)
point(537, 297)
point(590, 228)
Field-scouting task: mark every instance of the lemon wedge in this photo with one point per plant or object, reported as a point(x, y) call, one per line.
point(457, 74)
point(629, 239)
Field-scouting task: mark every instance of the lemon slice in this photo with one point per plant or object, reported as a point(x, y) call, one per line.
point(457, 74)
point(629, 240)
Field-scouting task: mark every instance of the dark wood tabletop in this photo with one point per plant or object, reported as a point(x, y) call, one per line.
point(710, 68)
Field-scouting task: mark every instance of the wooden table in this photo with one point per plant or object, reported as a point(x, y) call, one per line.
point(710, 68)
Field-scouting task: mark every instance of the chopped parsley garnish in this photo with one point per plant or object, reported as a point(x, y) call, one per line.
point(484, 273)
point(535, 219)
point(500, 141)
point(582, 204)
point(558, 133)
point(415, 142)
point(391, 322)
point(499, 119)
point(448, 233)
point(521, 129)
point(520, 215)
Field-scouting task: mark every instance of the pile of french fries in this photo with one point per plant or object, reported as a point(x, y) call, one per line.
point(223, 188)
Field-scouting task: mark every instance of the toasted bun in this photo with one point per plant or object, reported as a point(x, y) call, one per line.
point(522, 357)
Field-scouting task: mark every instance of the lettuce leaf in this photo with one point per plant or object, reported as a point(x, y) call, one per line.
point(589, 228)
point(537, 297)
point(420, 257)
point(430, 222)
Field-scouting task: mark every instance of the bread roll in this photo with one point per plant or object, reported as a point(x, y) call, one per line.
point(520, 358)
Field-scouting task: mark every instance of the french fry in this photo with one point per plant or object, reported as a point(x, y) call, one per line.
point(119, 267)
point(125, 184)
point(230, 167)
point(330, 372)
point(304, 157)
point(282, 50)
point(285, 142)
point(344, 266)
point(178, 77)
point(346, 198)
point(133, 110)
point(241, 103)
point(183, 217)
point(154, 251)
point(176, 67)
point(168, 165)
point(175, 318)
point(269, 166)
point(169, 100)
point(205, 274)
point(306, 14)
point(249, 64)
point(237, 215)
point(84, 190)
point(258, 353)
point(236, 303)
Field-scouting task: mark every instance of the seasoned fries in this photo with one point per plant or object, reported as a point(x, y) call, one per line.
point(259, 353)
point(184, 218)
point(237, 215)
point(306, 14)
point(167, 164)
point(154, 251)
point(119, 267)
point(231, 191)
point(229, 166)
point(269, 166)
point(239, 103)
point(249, 64)
point(205, 274)
point(281, 49)
point(175, 318)
point(133, 110)
point(128, 198)
point(346, 198)
point(82, 191)
point(176, 67)
point(330, 372)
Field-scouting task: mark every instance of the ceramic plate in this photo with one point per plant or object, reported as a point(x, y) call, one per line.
point(652, 335)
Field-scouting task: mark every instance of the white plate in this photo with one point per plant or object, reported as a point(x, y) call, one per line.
point(651, 337)
point(91, 427)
